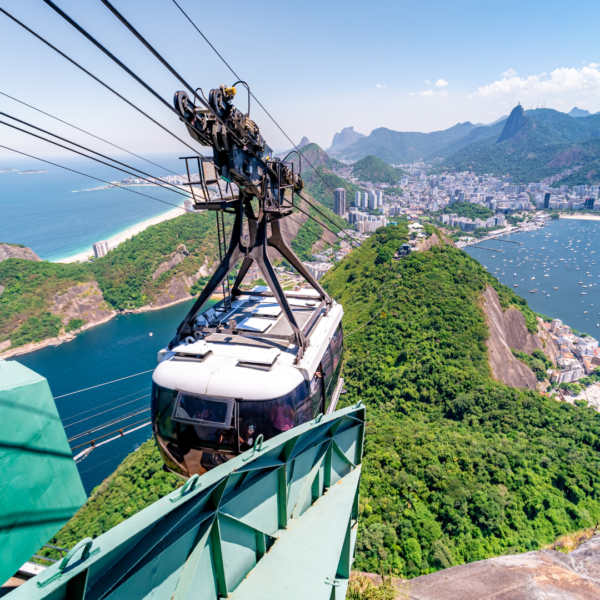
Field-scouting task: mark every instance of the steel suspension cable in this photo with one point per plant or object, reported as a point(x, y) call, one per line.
point(165, 184)
point(108, 424)
point(257, 101)
point(105, 411)
point(87, 133)
point(123, 66)
point(73, 62)
point(111, 433)
point(126, 189)
point(105, 404)
point(100, 384)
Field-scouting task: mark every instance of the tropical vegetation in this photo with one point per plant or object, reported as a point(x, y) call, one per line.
point(457, 466)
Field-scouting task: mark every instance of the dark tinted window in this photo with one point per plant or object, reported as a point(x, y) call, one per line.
point(272, 417)
point(203, 410)
point(327, 364)
point(166, 399)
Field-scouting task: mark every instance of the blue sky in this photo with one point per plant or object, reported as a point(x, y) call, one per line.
point(317, 66)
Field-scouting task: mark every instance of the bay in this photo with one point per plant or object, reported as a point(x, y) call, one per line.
point(117, 349)
point(59, 213)
point(565, 254)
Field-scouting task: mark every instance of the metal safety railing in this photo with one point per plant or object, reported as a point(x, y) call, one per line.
point(278, 521)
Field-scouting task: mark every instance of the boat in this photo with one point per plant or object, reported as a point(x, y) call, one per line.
point(555, 288)
point(583, 294)
point(532, 291)
point(532, 278)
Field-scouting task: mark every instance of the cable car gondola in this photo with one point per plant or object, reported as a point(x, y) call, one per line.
point(258, 362)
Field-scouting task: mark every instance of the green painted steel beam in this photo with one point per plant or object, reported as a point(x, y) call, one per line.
point(40, 488)
point(276, 522)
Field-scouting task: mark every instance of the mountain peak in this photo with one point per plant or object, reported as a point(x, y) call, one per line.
point(579, 112)
point(303, 142)
point(344, 138)
point(516, 120)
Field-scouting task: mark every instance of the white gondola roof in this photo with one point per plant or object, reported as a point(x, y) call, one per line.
point(252, 368)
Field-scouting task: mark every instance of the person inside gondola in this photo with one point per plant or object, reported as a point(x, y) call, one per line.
point(282, 417)
point(208, 434)
point(247, 436)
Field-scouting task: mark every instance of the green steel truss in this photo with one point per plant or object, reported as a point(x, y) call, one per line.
point(278, 522)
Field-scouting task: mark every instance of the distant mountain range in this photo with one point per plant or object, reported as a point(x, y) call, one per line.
point(529, 145)
point(344, 138)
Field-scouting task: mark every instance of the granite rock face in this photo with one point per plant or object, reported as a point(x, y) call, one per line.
point(515, 122)
point(13, 251)
point(541, 575)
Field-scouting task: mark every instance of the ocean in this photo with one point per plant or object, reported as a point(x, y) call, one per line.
point(556, 269)
point(117, 349)
point(58, 213)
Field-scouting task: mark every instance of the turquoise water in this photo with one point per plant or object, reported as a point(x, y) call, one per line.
point(56, 215)
point(116, 349)
point(575, 241)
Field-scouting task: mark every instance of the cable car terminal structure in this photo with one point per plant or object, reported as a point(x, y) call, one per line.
point(259, 362)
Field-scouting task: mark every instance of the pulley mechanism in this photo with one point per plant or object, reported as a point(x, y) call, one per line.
point(243, 178)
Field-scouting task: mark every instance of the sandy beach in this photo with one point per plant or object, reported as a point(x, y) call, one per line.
point(581, 217)
point(125, 235)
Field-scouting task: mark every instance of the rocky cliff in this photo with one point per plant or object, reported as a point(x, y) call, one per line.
point(17, 251)
point(541, 575)
point(508, 330)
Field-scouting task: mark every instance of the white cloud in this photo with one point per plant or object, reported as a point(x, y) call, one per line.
point(564, 79)
point(509, 73)
point(427, 93)
point(441, 83)
point(427, 82)
point(380, 86)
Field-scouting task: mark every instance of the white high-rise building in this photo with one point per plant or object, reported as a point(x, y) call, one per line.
point(366, 200)
point(100, 248)
point(379, 198)
point(357, 199)
point(372, 200)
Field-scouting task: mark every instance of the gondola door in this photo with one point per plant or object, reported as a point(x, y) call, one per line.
point(317, 393)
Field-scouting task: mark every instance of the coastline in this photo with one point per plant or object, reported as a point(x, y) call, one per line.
point(69, 337)
point(125, 235)
point(581, 217)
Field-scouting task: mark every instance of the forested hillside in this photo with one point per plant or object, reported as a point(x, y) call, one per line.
point(373, 169)
point(530, 145)
point(457, 467)
point(163, 264)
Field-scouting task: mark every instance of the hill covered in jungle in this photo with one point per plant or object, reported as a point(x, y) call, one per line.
point(457, 466)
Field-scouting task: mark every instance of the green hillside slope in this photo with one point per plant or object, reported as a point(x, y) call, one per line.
point(373, 169)
point(128, 277)
point(457, 466)
point(531, 145)
point(525, 154)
